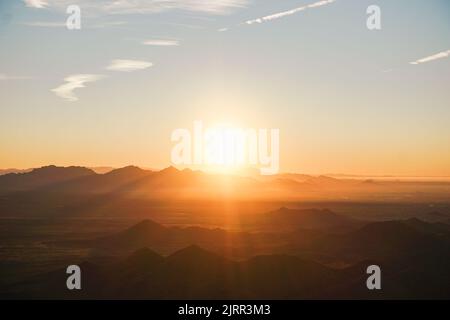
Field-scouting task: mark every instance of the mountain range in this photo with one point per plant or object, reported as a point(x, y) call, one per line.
point(189, 184)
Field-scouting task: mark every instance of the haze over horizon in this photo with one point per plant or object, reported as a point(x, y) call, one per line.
point(247, 171)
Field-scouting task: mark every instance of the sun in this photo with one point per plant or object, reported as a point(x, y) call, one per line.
point(225, 148)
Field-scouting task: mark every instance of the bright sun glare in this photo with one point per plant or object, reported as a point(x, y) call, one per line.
point(226, 148)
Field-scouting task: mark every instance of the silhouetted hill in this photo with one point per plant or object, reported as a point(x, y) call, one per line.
point(126, 173)
point(324, 180)
point(414, 257)
point(294, 176)
point(132, 180)
point(115, 181)
point(287, 277)
point(140, 263)
point(190, 273)
point(144, 257)
point(41, 177)
point(194, 256)
point(163, 239)
point(101, 170)
point(194, 273)
point(392, 241)
point(146, 233)
point(13, 170)
point(435, 228)
point(307, 219)
point(171, 183)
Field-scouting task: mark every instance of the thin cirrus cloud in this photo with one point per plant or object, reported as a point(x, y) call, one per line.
point(66, 90)
point(289, 12)
point(144, 6)
point(39, 4)
point(161, 42)
point(76, 81)
point(440, 55)
point(128, 65)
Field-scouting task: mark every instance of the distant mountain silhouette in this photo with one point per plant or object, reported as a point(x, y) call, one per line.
point(307, 219)
point(382, 241)
point(304, 227)
point(148, 233)
point(396, 242)
point(101, 170)
point(13, 170)
point(434, 228)
point(133, 179)
point(171, 183)
point(321, 180)
point(41, 177)
point(116, 180)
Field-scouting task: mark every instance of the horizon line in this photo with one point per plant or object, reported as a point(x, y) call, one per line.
point(238, 171)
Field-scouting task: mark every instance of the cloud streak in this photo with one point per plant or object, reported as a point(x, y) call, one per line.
point(128, 65)
point(440, 55)
point(39, 4)
point(289, 12)
point(160, 42)
point(73, 82)
point(145, 6)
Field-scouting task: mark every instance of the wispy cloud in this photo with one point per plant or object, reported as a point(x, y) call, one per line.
point(73, 82)
point(4, 77)
point(145, 6)
point(289, 12)
point(161, 42)
point(440, 55)
point(39, 4)
point(128, 65)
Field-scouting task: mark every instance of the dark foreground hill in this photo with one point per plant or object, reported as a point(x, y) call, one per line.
point(193, 273)
point(414, 257)
point(189, 273)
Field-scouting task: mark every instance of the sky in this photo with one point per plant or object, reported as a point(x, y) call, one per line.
point(346, 99)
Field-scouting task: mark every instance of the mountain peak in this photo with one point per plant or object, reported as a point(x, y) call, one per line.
point(128, 170)
point(192, 253)
point(50, 169)
point(170, 169)
point(42, 177)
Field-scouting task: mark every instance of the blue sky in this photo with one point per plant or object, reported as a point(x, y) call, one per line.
point(346, 99)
